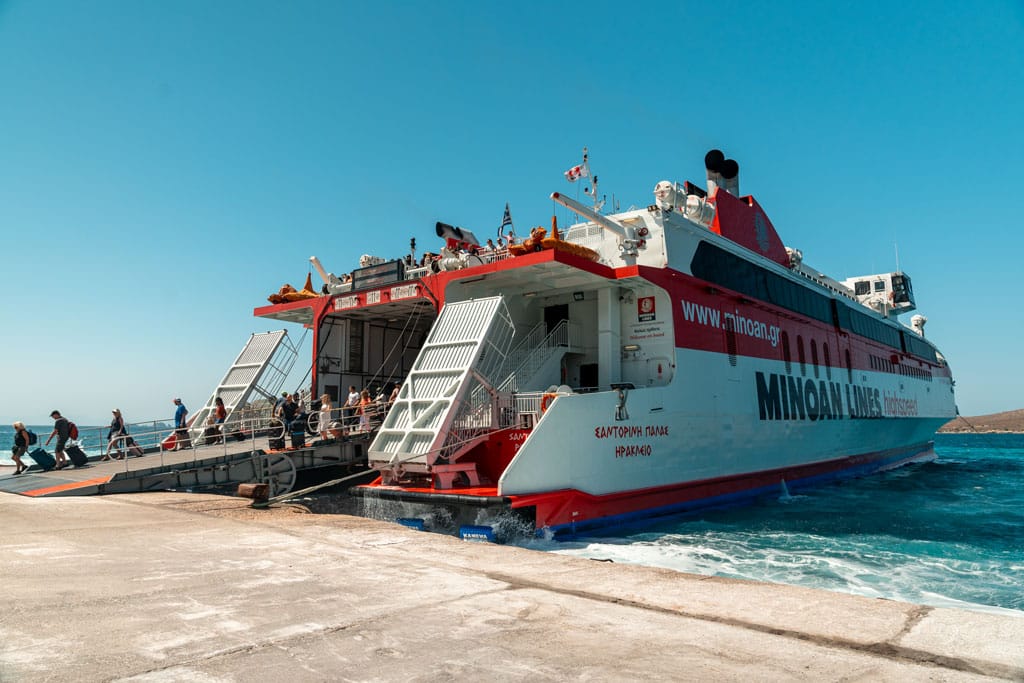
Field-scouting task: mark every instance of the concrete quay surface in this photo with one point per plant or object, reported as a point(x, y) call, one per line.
point(179, 587)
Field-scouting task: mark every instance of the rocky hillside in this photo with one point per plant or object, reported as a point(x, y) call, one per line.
point(1010, 421)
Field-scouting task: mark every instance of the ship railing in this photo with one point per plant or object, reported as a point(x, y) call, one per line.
point(347, 420)
point(526, 358)
point(485, 255)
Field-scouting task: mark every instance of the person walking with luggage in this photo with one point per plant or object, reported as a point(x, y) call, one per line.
point(116, 436)
point(62, 430)
point(181, 440)
point(22, 440)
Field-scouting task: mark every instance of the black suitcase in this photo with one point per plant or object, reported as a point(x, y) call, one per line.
point(77, 455)
point(298, 439)
point(43, 459)
point(276, 443)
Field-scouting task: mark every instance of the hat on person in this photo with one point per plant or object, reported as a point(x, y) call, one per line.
point(177, 400)
point(284, 393)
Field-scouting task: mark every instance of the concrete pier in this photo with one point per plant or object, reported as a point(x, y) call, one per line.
point(166, 586)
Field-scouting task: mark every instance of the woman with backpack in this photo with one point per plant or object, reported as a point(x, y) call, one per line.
point(116, 440)
point(23, 438)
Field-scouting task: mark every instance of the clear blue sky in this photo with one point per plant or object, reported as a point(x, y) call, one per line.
point(164, 166)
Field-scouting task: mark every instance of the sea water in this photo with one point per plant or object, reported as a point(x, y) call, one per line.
point(947, 533)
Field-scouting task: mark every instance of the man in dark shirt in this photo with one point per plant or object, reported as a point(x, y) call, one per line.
point(288, 410)
point(62, 431)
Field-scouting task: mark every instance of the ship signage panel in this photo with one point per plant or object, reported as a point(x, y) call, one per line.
point(404, 292)
point(377, 275)
point(344, 302)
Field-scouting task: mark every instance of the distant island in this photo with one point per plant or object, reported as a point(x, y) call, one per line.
point(1010, 421)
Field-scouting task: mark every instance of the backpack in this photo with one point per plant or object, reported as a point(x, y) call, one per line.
point(32, 438)
point(72, 431)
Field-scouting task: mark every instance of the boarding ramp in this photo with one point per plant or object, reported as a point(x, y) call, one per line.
point(446, 400)
point(258, 372)
point(247, 456)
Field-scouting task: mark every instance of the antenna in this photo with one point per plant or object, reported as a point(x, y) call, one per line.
point(896, 247)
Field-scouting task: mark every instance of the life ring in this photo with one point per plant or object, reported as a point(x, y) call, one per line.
point(545, 401)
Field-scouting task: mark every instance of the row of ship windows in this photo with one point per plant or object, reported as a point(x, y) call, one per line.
point(877, 362)
point(886, 365)
point(724, 268)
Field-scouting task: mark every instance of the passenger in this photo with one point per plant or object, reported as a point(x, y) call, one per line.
point(324, 419)
point(211, 434)
point(181, 437)
point(21, 444)
point(279, 409)
point(220, 414)
point(62, 430)
point(115, 437)
point(365, 407)
point(350, 407)
point(289, 409)
point(490, 244)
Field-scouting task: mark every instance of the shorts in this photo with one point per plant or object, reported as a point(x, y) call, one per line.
point(61, 442)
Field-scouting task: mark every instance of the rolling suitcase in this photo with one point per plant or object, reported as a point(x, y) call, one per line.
point(298, 439)
point(276, 443)
point(43, 459)
point(135, 450)
point(77, 455)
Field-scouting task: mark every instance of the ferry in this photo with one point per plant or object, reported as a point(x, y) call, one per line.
point(632, 364)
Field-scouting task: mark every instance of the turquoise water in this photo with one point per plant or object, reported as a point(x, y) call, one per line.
point(947, 533)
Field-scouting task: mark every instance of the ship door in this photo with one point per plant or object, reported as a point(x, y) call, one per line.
point(554, 315)
point(588, 376)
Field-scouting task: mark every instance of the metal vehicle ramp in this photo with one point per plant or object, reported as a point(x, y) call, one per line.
point(258, 372)
point(447, 398)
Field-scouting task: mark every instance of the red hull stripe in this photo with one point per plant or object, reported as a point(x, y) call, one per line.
point(572, 510)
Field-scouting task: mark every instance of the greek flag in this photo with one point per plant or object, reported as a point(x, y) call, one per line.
point(505, 220)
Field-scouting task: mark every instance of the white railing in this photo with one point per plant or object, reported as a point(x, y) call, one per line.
point(528, 356)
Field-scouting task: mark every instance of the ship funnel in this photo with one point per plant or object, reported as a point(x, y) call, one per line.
point(722, 172)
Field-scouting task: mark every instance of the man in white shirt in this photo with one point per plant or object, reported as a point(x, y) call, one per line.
point(349, 409)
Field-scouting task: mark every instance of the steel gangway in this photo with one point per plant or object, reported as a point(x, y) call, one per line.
point(448, 396)
point(259, 372)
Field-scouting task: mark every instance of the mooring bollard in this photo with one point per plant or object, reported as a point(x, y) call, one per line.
point(258, 492)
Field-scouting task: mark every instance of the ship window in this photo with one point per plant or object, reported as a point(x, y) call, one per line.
point(800, 354)
point(862, 287)
point(849, 367)
point(355, 346)
point(814, 357)
point(879, 285)
point(828, 360)
point(785, 353)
